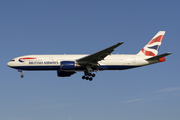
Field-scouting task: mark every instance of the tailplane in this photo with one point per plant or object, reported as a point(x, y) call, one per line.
point(160, 58)
point(152, 48)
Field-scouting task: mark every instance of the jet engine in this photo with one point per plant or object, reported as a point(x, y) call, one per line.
point(67, 65)
point(64, 73)
point(162, 59)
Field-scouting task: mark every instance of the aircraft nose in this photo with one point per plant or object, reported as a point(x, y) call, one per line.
point(9, 64)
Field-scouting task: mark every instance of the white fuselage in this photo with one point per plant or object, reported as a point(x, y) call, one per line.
point(53, 62)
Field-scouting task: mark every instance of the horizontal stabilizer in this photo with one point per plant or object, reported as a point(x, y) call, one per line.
point(158, 57)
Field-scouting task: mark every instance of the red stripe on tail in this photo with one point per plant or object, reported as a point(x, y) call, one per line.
point(157, 39)
point(148, 53)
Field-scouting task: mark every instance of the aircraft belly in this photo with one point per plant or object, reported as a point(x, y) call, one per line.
point(116, 67)
point(120, 64)
point(37, 67)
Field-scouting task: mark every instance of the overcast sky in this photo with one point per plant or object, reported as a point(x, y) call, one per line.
point(85, 27)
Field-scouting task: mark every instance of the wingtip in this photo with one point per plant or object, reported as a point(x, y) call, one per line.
point(169, 53)
point(120, 43)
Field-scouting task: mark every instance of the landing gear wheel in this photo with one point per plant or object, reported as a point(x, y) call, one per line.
point(90, 79)
point(83, 77)
point(93, 75)
point(22, 76)
point(87, 78)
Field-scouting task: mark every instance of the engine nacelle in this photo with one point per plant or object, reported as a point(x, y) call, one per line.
point(67, 65)
point(64, 73)
point(162, 59)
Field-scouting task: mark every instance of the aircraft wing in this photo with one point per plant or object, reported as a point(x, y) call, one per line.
point(98, 56)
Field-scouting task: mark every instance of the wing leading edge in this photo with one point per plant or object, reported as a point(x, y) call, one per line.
point(98, 56)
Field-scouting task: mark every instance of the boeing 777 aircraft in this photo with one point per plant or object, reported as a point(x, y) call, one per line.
point(67, 65)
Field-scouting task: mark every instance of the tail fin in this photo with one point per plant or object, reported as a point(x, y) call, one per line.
point(151, 49)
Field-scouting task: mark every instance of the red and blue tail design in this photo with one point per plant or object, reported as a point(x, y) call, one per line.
point(152, 48)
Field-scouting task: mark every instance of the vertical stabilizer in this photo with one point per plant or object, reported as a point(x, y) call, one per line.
point(152, 48)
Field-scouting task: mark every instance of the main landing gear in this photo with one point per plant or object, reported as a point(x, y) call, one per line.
point(88, 76)
point(21, 73)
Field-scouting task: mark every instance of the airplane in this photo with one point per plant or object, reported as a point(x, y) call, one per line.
point(67, 65)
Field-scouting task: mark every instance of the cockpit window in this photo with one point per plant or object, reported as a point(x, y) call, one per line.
point(12, 60)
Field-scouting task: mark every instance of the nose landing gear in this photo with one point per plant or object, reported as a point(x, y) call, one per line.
point(22, 76)
point(21, 73)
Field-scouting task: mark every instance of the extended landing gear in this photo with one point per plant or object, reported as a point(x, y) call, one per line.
point(88, 76)
point(22, 76)
point(21, 73)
